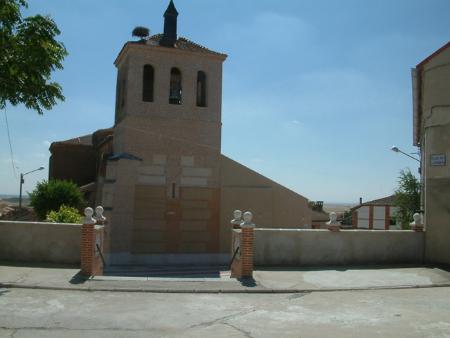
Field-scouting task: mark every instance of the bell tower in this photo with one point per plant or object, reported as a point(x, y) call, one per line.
point(164, 185)
point(170, 26)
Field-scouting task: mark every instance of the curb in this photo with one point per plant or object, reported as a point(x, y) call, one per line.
point(220, 291)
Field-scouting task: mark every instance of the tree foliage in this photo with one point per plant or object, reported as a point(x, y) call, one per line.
point(407, 197)
point(51, 195)
point(64, 215)
point(29, 54)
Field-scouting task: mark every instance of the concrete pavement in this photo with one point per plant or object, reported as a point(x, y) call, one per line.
point(368, 313)
point(266, 280)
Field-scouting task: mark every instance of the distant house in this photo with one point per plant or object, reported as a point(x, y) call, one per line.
point(377, 214)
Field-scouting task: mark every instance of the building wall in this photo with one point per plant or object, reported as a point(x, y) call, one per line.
point(134, 57)
point(75, 163)
point(435, 139)
point(272, 204)
point(285, 247)
point(374, 217)
point(40, 242)
point(168, 201)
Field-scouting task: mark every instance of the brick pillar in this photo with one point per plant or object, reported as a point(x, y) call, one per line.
point(371, 217)
point(355, 219)
point(247, 238)
point(88, 243)
point(92, 234)
point(387, 217)
point(100, 234)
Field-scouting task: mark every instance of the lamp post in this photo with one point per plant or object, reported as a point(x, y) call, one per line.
point(22, 181)
point(397, 150)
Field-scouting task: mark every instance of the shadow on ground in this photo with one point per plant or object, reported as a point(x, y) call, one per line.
point(248, 282)
point(351, 267)
point(39, 265)
point(3, 292)
point(78, 279)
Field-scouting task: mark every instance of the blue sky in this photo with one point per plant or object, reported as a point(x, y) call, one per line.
point(315, 92)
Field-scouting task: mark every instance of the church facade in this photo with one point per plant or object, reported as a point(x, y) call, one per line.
point(168, 191)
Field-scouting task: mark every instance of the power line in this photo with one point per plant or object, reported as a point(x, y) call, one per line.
point(10, 145)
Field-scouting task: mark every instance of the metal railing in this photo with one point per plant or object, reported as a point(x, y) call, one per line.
point(234, 256)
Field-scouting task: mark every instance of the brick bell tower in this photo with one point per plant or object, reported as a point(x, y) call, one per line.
point(162, 184)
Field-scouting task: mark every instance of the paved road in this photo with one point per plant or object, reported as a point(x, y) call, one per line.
point(376, 313)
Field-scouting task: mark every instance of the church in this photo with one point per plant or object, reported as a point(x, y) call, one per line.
point(167, 190)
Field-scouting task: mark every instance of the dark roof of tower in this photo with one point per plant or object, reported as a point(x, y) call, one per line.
point(181, 44)
point(184, 44)
point(85, 140)
point(171, 10)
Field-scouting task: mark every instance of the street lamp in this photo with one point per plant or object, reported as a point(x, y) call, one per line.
point(397, 150)
point(22, 181)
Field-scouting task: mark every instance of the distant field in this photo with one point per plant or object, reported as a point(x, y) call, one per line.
point(13, 200)
point(337, 207)
point(328, 207)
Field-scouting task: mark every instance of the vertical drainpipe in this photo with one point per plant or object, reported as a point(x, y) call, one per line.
point(418, 140)
point(417, 126)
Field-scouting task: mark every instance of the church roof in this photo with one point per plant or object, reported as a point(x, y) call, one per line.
point(181, 44)
point(185, 44)
point(85, 140)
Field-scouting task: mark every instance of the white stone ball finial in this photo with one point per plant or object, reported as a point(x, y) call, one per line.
point(88, 212)
point(417, 224)
point(237, 214)
point(333, 224)
point(248, 217)
point(99, 214)
point(333, 217)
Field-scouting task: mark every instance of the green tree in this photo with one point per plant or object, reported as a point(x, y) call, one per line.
point(64, 215)
point(51, 195)
point(29, 54)
point(407, 198)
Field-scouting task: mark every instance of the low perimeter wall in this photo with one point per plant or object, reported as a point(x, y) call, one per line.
point(40, 242)
point(288, 247)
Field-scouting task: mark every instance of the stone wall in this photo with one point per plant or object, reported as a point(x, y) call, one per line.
point(40, 242)
point(433, 102)
point(293, 247)
point(271, 203)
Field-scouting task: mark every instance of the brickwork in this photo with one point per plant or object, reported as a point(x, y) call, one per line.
point(371, 217)
point(87, 249)
point(355, 219)
point(387, 217)
point(91, 235)
point(247, 238)
point(243, 238)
